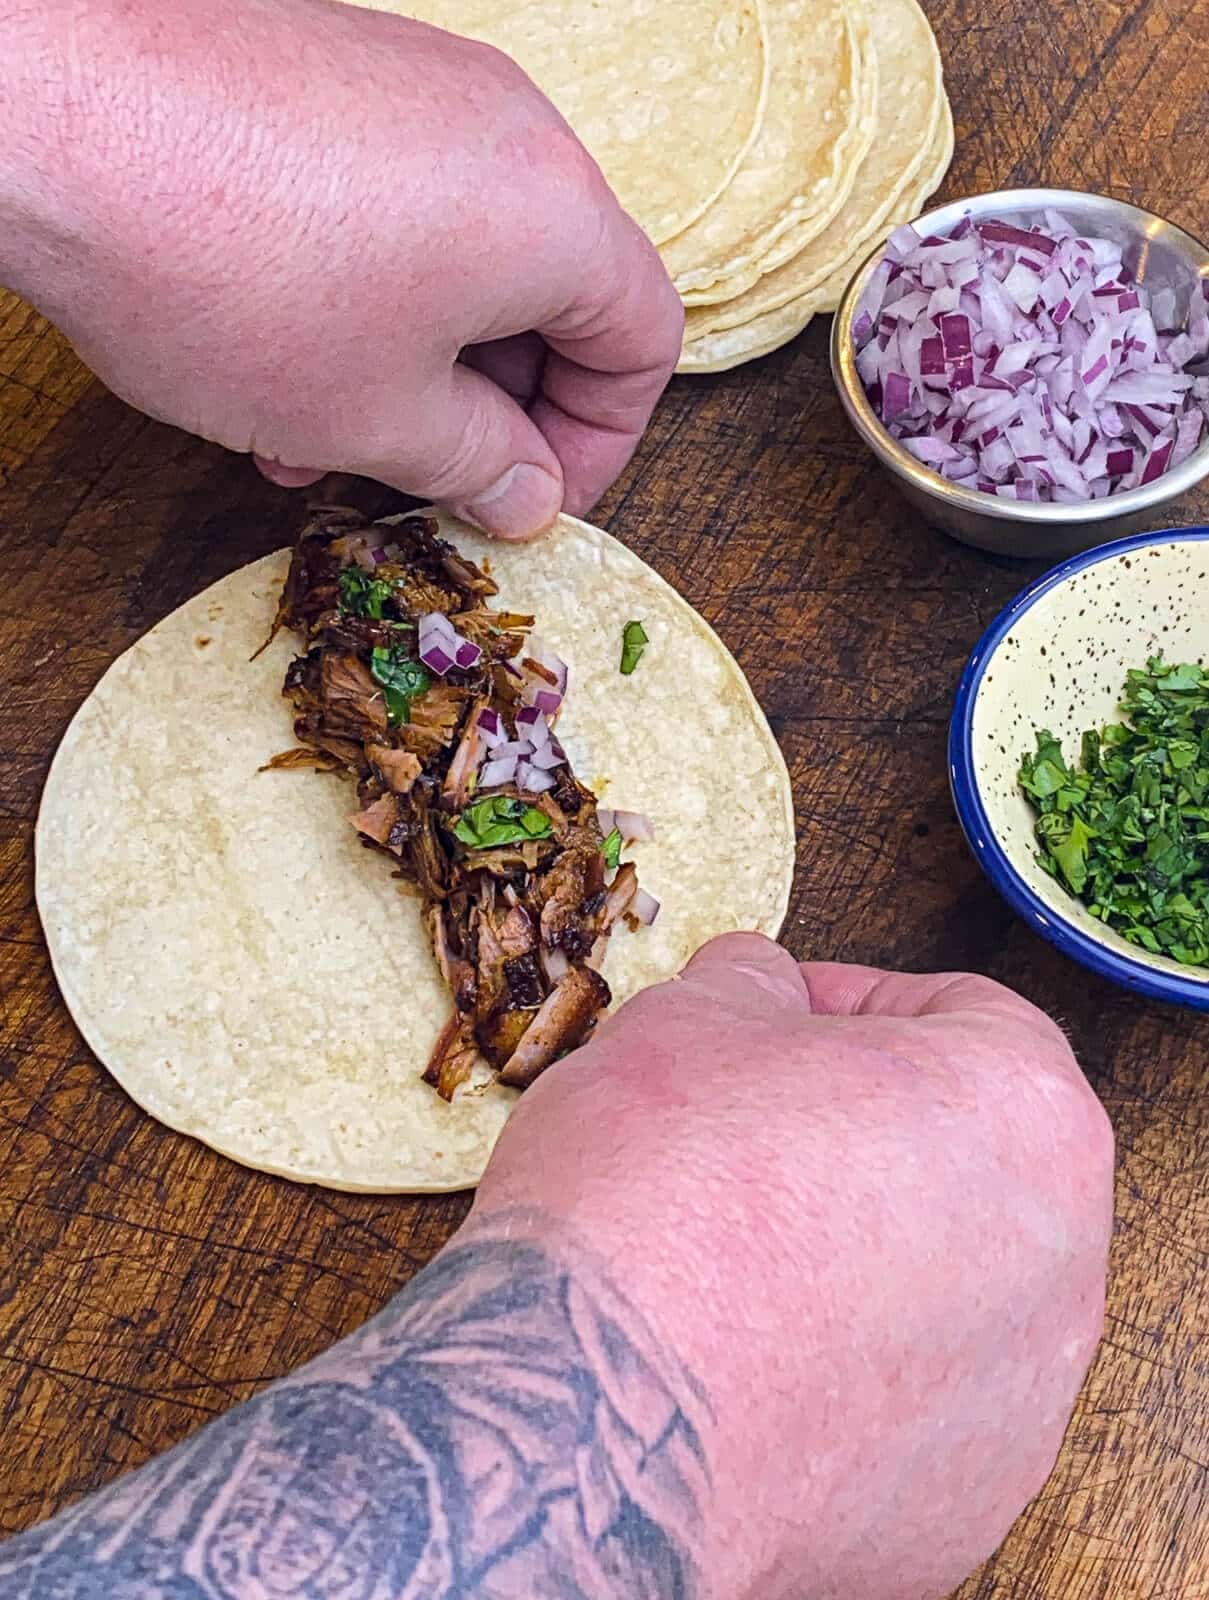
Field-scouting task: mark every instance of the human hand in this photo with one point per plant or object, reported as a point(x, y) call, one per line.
point(870, 1212)
point(277, 224)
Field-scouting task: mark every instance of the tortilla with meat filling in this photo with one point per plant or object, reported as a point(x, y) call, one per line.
point(246, 967)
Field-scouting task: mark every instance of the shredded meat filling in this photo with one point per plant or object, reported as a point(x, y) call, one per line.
point(516, 923)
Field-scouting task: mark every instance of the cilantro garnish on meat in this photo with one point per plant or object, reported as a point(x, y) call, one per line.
point(499, 819)
point(361, 595)
point(1127, 829)
point(402, 679)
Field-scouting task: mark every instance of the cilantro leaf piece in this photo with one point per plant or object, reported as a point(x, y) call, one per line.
point(1177, 678)
point(633, 642)
point(1070, 852)
point(611, 848)
point(1043, 774)
point(1125, 831)
point(499, 819)
point(361, 595)
point(402, 679)
point(1182, 753)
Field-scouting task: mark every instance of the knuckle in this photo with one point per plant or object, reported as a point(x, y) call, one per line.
point(976, 993)
point(497, 65)
point(1089, 1131)
point(1074, 1140)
point(578, 166)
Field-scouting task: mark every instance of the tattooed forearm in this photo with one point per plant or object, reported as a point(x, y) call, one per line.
point(507, 1427)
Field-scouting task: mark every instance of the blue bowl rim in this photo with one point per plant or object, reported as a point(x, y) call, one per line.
point(975, 823)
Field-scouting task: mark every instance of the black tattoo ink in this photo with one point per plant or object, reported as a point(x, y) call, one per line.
point(507, 1429)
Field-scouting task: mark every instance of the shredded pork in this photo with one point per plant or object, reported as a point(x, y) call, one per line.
point(517, 928)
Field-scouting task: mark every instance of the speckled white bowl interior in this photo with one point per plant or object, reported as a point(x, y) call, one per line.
point(1059, 662)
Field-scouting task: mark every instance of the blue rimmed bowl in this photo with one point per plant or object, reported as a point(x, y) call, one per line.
point(1056, 658)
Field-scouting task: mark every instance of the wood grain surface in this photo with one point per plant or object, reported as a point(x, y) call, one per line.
point(146, 1284)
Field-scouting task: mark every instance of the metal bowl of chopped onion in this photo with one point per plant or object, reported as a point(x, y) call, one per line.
point(1032, 367)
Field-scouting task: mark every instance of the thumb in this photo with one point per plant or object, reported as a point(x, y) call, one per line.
point(749, 971)
point(837, 990)
point(473, 450)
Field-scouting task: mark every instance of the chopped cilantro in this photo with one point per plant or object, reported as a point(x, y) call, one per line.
point(611, 848)
point(1127, 830)
point(402, 679)
point(499, 819)
point(361, 595)
point(633, 642)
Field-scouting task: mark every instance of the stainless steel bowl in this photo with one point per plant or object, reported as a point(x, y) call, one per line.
point(1161, 256)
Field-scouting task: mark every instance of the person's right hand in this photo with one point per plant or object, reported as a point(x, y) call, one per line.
point(871, 1214)
point(339, 239)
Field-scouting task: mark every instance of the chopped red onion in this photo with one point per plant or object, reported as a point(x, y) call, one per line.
point(359, 549)
point(545, 688)
point(513, 748)
point(604, 816)
point(644, 907)
point(1157, 458)
point(556, 665)
point(436, 658)
point(632, 826)
point(441, 647)
point(531, 779)
point(434, 645)
point(499, 770)
point(546, 759)
point(1028, 362)
point(492, 727)
point(378, 556)
point(438, 624)
point(555, 963)
point(1187, 437)
point(896, 396)
point(1004, 233)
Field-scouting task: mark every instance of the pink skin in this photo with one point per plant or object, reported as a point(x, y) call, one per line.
point(872, 1213)
point(277, 223)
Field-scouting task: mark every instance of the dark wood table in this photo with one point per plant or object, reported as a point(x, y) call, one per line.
point(146, 1284)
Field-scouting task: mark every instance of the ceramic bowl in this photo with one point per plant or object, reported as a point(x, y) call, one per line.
point(1160, 256)
point(1056, 658)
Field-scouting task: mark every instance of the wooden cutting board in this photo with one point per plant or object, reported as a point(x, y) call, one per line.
point(146, 1284)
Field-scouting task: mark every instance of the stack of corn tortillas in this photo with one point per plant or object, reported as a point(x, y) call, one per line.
point(766, 146)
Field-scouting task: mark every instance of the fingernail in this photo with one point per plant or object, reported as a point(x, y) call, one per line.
point(522, 502)
point(287, 477)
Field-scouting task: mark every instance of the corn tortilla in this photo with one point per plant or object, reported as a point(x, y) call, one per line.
point(731, 347)
point(253, 977)
point(909, 126)
point(816, 128)
point(667, 97)
point(749, 266)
